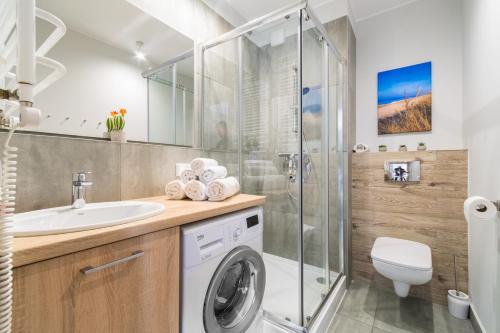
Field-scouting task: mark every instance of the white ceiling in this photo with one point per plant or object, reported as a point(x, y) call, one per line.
point(120, 24)
point(253, 9)
point(363, 9)
point(238, 12)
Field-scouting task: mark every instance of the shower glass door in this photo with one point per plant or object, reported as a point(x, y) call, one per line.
point(276, 87)
point(322, 176)
point(316, 279)
point(336, 157)
point(270, 155)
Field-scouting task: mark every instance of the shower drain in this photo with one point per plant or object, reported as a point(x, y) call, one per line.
point(320, 280)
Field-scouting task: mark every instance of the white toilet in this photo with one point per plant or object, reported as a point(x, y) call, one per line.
point(405, 262)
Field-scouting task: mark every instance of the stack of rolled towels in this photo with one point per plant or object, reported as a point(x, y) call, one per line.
point(202, 179)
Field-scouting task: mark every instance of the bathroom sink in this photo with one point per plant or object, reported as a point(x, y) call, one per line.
point(92, 216)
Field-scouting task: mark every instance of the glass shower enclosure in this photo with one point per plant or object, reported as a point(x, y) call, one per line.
point(272, 100)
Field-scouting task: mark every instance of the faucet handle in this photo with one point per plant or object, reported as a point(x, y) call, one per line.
point(81, 176)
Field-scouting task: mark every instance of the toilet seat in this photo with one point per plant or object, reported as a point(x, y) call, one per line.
point(405, 262)
point(402, 253)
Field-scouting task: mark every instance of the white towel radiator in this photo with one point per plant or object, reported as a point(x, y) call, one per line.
point(17, 94)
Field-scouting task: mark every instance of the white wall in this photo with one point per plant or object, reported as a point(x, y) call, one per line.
point(427, 30)
point(99, 79)
point(482, 137)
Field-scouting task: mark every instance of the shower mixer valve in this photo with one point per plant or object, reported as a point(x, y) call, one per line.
point(291, 165)
point(292, 162)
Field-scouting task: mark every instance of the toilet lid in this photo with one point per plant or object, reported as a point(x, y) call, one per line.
point(402, 252)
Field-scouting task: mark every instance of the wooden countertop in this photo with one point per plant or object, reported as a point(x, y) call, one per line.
point(28, 250)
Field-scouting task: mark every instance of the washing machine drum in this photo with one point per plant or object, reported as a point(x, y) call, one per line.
point(235, 293)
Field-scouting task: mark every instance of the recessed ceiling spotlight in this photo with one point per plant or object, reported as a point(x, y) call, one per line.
point(138, 51)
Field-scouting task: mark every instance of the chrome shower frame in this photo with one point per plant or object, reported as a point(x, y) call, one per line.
point(336, 290)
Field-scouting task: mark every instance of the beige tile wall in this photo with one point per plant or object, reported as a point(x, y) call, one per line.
point(119, 171)
point(145, 168)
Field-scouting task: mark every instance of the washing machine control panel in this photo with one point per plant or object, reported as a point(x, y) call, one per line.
point(244, 229)
point(236, 234)
point(212, 238)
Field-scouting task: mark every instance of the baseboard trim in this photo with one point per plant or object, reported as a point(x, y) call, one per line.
point(476, 322)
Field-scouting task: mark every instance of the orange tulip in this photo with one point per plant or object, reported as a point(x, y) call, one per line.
point(123, 112)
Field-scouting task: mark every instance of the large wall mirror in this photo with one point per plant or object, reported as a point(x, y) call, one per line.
point(118, 57)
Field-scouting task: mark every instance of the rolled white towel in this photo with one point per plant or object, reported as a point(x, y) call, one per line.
point(221, 189)
point(212, 173)
point(179, 167)
point(175, 190)
point(198, 165)
point(187, 175)
point(196, 190)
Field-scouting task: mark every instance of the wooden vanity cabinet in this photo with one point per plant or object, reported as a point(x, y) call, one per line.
point(137, 294)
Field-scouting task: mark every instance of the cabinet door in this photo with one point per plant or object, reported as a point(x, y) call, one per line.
point(137, 294)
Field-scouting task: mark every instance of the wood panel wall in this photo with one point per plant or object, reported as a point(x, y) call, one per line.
point(430, 212)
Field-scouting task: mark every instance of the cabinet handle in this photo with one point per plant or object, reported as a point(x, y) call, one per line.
point(89, 269)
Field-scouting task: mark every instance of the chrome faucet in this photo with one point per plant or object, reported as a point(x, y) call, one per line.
point(78, 193)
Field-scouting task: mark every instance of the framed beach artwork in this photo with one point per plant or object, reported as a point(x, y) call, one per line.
point(405, 100)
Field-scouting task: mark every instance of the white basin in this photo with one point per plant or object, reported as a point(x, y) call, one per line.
point(92, 216)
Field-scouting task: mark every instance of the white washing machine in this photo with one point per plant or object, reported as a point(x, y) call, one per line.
point(223, 275)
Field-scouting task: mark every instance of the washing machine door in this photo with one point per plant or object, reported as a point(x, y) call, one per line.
point(235, 293)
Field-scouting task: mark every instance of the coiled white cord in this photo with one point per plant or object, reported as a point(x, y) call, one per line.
point(7, 208)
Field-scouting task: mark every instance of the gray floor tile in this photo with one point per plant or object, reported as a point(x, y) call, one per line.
point(409, 314)
point(360, 302)
point(367, 308)
point(344, 324)
point(444, 322)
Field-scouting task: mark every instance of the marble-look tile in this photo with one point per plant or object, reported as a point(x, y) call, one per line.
point(146, 169)
point(344, 324)
point(281, 234)
point(220, 64)
point(219, 98)
point(337, 30)
point(46, 165)
point(229, 159)
point(379, 330)
point(360, 302)
point(313, 194)
point(314, 241)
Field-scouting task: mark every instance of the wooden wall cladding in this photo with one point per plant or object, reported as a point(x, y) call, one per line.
point(430, 212)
